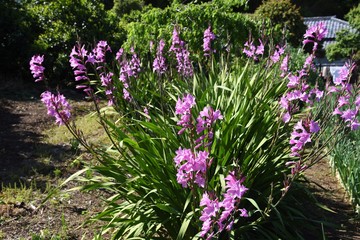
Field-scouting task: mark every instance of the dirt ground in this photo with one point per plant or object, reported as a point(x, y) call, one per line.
point(23, 119)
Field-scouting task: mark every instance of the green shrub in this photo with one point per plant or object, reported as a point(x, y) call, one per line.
point(17, 31)
point(191, 20)
point(347, 42)
point(62, 23)
point(282, 20)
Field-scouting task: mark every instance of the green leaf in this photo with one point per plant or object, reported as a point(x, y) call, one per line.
point(184, 226)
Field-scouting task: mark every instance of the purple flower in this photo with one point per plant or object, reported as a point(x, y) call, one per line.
point(77, 62)
point(315, 34)
point(207, 117)
point(260, 48)
point(183, 108)
point(134, 65)
point(337, 111)
point(318, 93)
point(252, 51)
point(249, 49)
point(208, 37)
point(344, 74)
point(296, 167)
point(309, 62)
point(184, 105)
point(57, 106)
point(286, 117)
point(176, 41)
point(184, 65)
point(208, 213)
point(126, 95)
point(191, 167)
point(294, 81)
point(37, 70)
point(234, 192)
point(343, 100)
point(205, 121)
point(277, 53)
point(299, 137)
point(159, 64)
point(314, 127)
point(106, 81)
point(220, 215)
point(99, 52)
point(349, 115)
point(119, 54)
point(128, 69)
point(284, 66)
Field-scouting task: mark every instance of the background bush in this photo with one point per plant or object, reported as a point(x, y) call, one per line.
point(63, 22)
point(17, 33)
point(192, 19)
point(281, 18)
point(347, 42)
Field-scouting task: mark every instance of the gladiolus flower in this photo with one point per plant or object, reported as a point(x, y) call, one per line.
point(36, 67)
point(57, 106)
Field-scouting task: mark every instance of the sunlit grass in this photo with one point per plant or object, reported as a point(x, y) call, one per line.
point(90, 127)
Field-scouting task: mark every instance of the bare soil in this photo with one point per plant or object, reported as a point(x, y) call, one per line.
point(22, 121)
point(329, 192)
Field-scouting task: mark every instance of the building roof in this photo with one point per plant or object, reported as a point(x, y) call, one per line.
point(332, 24)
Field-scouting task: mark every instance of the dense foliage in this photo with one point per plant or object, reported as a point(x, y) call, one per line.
point(63, 22)
point(17, 32)
point(155, 24)
point(282, 19)
point(347, 41)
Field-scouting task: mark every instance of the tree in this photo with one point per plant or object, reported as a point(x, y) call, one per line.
point(16, 35)
point(347, 42)
point(282, 17)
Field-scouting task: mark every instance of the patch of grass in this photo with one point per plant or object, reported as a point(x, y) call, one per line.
point(17, 193)
point(2, 235)
point(90, 126)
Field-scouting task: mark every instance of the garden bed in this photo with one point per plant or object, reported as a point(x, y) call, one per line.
point(40, 167)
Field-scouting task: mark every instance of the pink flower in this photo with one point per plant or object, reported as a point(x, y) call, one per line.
point(299, 137)
point(315, 34)
point(208, 213)
point(184, 105)
point(57, 107)
point(77, 62)
point(284, 66)
point(191, 167)
point(277, 53)
point(208, 37)
point(252, 51)
point(159, 64)
point(36, 67)
point(99, 52)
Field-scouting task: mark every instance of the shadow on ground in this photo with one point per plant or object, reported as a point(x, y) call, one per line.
point(23, 154)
